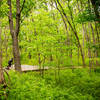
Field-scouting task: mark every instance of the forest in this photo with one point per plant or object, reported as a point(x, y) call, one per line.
point(49, 49)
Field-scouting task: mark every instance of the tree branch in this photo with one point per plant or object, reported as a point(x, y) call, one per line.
point(22, 6)
point(17, 16)
point(10, 18)
point(74, 31)
point(61, 16)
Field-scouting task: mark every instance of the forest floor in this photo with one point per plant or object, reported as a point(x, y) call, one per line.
point(68, 84)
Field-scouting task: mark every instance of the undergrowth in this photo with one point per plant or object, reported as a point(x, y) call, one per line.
point(68, 85)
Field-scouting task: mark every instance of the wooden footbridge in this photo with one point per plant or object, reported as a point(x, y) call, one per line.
point(25, 68)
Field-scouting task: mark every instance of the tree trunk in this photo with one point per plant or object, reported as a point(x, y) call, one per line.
point(6, 45)
point(88, 40)
point(1, 71)
point(97, 33)
point(74, 31)
point(15, 32)
point(16, 53)
point(94, 42)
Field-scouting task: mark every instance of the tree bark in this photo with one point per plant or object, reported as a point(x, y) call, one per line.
point(88, 40)
point(97, 33)
point(5, 43)
point(94, 42)
point(1, 71)
point(16, 53)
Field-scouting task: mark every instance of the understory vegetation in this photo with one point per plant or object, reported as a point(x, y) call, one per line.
point(77, 84)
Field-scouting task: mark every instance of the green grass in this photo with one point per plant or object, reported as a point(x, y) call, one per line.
point(68, 85)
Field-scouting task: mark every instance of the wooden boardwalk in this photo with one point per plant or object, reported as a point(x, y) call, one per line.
point(26, 68)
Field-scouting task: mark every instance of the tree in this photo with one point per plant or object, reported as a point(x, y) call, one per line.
point(15, 29)
point(1, 70)
point(15, 32)
point(74, 31)
point(96, 4)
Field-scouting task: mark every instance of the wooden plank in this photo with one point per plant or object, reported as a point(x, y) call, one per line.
point(25, 68)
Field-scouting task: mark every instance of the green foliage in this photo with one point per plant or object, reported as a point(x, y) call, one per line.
point(86, 16)
point(73, 85)
point(44, 41)
point(28, 5)
point(42, 31)
point(3, 8)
